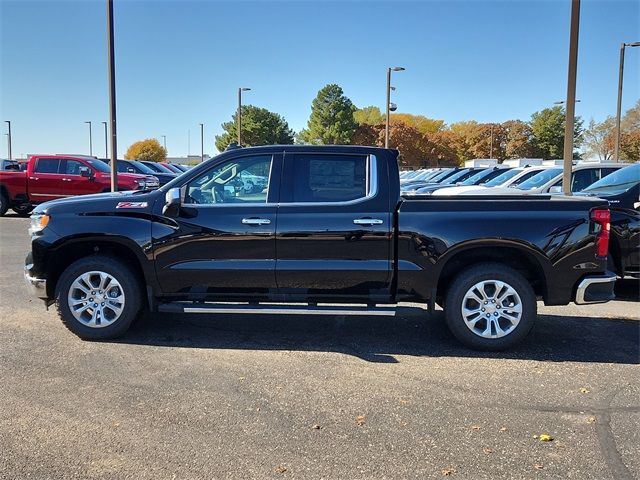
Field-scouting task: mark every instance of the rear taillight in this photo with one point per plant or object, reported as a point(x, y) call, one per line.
point(602, 217)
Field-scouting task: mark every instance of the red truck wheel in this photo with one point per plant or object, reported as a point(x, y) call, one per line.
point(4, 204)
point(23, 210)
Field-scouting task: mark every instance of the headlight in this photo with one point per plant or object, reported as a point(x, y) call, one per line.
point(38, 223)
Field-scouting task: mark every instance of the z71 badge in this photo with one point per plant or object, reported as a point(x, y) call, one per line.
point(132, 205)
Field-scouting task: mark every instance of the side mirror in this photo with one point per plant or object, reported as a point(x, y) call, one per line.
point(86, 172)
point(556, 189)
point(173, 202)
point(130, 170)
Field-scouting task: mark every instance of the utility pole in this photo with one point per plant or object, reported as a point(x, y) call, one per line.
point(570, 102)
point(491, 143)
point(90, 139)
point(112, 96)
point(8, 122)
point(202, 142)
point(164, 142)
point(616, 154)
point(239, 114)
point(106, 141)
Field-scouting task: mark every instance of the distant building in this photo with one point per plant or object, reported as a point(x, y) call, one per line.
point(189, 160)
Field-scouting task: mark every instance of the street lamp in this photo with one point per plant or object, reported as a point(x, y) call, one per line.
point(111, 62)
point(616, 154)
point(390, 106)
point(239, 114)
point(202, 142)
point(90, 141)
point(8, 122)
point(106, 143)
point(164, 142)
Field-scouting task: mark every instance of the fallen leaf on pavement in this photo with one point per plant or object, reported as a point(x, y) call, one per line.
point(487, 450)
point(591, 419)
point(316, 427)
point(537, 466)
point(360, 420)
point(281, 469)
point(503, 429)
point(545, 438)
point(584, 390)
point(448, 471)
point(475, 427)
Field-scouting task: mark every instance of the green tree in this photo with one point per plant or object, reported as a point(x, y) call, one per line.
point(547, 128)
point(331, 121)
point(368, 116)
point(259, 127)
point(149, 149)
point(631, 119)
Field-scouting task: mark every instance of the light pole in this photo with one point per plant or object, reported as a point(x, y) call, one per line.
point(389, 87)
point(112, 96)
point(164, 142)
point(491, 142)
point(106, 142)
point(570, 102)
point(90, 140)
point(202, 142)
point(8, 122)
point(239, 114)
point(616, 153)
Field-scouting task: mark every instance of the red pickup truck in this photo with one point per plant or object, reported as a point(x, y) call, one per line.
point(49, 177)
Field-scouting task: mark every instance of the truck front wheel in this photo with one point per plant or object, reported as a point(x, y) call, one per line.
point(23, 210)
point(4, 204)
point(98, 297)
point(490, 306)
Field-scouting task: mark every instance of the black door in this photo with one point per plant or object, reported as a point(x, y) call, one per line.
point(333, 230)
point(222, 244)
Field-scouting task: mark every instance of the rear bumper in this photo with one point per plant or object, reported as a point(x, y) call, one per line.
point(596, 289)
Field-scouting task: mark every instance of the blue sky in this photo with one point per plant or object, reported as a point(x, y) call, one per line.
point(179, 63)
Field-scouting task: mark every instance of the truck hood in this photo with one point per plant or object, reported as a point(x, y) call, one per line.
point(103, 202)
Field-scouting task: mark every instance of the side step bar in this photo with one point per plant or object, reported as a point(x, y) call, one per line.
point(273, 309)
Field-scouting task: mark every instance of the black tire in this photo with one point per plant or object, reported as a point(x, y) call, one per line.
point(4, 204)
point(486, 272)
point(23, 210)
point(131, 290)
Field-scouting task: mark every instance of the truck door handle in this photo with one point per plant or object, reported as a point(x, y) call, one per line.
point(33, 178)
point(368, 221)
point(256, 221)
point(66, 179)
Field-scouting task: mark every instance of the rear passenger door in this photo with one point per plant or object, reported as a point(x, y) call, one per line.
point(333, 228)
point(45, 181)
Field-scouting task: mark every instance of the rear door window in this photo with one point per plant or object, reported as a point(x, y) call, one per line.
point(329, 178)
point(47, 165)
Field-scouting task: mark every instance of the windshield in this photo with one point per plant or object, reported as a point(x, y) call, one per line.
point(458, 176)
point(503, 177)
point(99, 165)
point(440, 175)
point(540, 179)
point(478, 177)
point(618, 181)
point(141, 167)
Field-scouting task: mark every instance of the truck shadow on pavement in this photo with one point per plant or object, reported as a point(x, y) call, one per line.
point(380, 339)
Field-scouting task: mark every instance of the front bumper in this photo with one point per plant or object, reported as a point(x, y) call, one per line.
point(596, 289)
point(37, 286)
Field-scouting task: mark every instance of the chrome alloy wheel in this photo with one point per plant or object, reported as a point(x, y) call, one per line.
point(491, 309)
point(96, 299)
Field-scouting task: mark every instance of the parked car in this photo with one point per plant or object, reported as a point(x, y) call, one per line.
point(182, 168)
point(459, 175)
point(331, 228)
point(622, 190)
point(477, 178)
point(550, 180)
point(54, 176)
point(133, 166)
point(510, 177)
point(156, 166)
point(436, 177)
point(9, 164)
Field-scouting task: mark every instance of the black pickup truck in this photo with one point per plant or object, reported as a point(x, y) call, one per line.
point(327, 233)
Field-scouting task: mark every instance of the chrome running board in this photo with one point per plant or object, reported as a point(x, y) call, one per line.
point(273, 309)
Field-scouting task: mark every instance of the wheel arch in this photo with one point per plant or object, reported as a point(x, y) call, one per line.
point(521, 258)
point(71, 250)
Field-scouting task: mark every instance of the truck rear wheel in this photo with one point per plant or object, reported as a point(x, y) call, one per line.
point(23, 210)
point(97, 298)
point(490, 306)
point(4, 204)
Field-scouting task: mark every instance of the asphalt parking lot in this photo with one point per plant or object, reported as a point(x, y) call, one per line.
point(323, 397)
